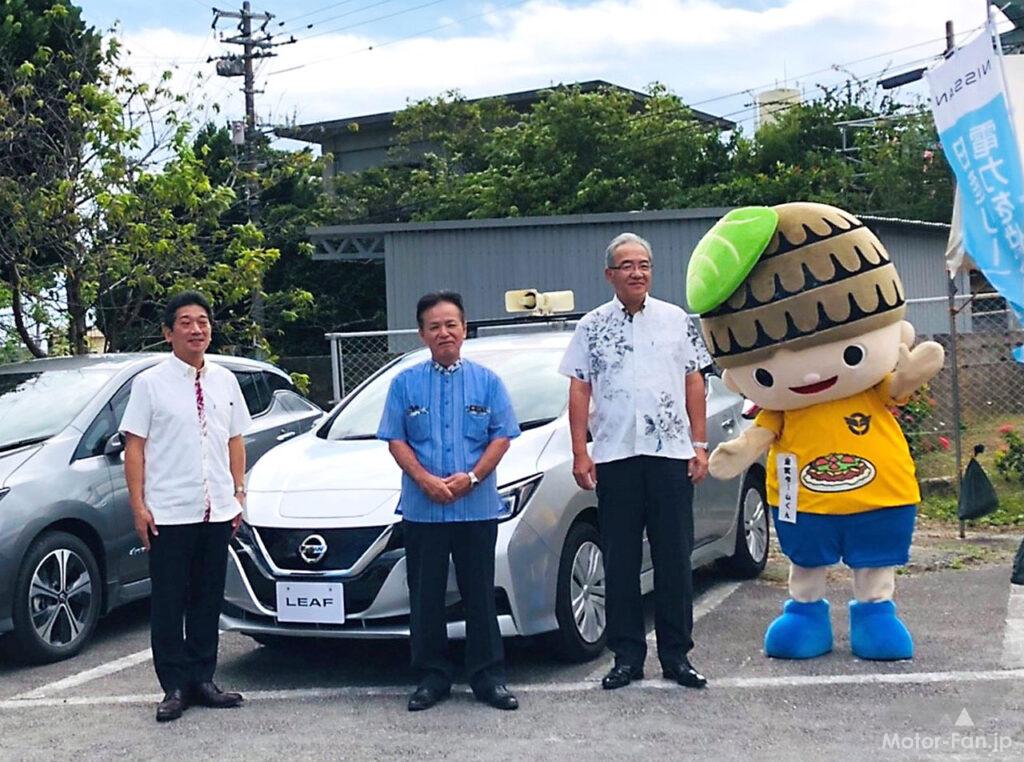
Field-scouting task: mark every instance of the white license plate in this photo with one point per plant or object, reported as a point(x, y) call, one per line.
point(311, 602)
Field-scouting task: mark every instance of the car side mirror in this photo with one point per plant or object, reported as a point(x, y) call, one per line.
point(114, 445)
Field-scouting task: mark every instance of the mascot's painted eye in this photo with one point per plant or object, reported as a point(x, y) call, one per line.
point(853, 355)
point(764, 378)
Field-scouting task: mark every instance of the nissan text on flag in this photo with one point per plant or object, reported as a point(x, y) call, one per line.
point(973, 116)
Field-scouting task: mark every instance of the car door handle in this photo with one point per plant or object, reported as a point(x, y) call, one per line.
point(728, 423)
point(285, 435)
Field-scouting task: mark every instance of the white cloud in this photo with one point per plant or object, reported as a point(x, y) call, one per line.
point(697, 47)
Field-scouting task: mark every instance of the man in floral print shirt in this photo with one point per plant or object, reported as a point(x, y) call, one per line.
point(638, 360)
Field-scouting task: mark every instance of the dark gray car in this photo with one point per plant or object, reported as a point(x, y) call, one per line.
point(68, 548)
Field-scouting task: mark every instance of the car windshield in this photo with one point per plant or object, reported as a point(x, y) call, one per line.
point(538, 392)
point(35, 405)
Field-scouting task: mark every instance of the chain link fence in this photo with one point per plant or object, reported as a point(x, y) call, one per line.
point(357, 356)
point(977, 399)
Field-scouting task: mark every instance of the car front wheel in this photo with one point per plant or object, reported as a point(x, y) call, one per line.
point(57, 599)
point(580, 599)
point(752, 530)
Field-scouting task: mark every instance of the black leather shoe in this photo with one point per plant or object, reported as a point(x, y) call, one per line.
point(499, 697)
point(208, 694)
point(425, 697)
point(620, 676)
point(172, 706)
point(684, 674)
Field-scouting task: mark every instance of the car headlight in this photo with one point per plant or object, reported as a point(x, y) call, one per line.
point(516, 495)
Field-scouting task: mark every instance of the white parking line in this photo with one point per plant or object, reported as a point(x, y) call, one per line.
point(1013, 635)
point(81, 678)
point(704, 605)
point(727, 683)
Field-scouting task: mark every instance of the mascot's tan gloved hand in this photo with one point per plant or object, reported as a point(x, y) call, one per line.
point(732, 458)
point(915, 368)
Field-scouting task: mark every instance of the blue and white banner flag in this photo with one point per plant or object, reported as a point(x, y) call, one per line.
point(972, 115)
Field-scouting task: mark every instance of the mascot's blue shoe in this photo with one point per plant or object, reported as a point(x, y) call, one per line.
point(802, 632)
point(877, 633)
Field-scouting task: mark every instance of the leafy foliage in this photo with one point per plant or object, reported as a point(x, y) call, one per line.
point(1009, 458)
point(577, 152)
point(105, 204)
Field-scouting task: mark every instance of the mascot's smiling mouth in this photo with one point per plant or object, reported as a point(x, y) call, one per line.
point(814, 388)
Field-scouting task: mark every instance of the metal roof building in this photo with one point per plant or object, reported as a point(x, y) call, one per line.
point(482, 259)
point(361, 142)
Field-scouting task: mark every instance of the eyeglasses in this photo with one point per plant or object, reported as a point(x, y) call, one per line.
point(628, 267)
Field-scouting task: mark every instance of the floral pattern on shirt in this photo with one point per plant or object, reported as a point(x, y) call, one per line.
point(693, 335)
point(667, 423)
point(607, 344)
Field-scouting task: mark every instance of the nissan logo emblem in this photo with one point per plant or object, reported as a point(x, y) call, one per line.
point(313, 548)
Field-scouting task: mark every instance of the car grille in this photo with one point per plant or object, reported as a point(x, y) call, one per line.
point(344, 546)
point(360, 591)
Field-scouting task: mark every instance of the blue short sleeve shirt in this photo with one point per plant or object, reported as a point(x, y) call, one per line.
point(448, 416)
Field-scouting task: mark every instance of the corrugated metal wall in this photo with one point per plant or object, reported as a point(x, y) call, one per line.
point(483, 262)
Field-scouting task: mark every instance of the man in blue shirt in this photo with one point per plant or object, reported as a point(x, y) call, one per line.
point(448, 422)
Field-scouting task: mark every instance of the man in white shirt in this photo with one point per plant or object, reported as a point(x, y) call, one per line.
point(638, 360)
point(185, 468)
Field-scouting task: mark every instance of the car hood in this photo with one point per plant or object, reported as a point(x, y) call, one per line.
point(314, 482)
point(12, 460)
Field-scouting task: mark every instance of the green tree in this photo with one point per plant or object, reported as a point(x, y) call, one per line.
point(119, 217)
point(576, 152)
point(49, 63)
point(572, 152)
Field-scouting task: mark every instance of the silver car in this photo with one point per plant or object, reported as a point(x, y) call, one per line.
point(68, 548)
point(321, 553)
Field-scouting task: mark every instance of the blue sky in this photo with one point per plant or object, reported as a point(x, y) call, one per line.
point(364, 56)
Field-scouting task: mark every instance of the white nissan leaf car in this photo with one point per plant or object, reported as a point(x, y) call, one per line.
point(321, 553)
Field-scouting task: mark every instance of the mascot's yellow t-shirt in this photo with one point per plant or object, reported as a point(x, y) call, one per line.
point(851, 455)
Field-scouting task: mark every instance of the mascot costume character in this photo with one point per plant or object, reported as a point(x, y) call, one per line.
point(803, 310)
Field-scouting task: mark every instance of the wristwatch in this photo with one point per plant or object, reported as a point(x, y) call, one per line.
point(473, 479)
point(239, 489)
point(700, 446)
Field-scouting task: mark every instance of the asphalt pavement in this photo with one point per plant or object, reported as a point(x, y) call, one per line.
point(960, 698)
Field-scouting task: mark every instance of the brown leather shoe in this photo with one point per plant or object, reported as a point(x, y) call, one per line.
point(208, 694)
point(172, 707)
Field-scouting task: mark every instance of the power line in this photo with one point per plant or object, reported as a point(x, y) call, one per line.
point(321, 22)
point(307, 14)
point(370, 21)
point(420, 33)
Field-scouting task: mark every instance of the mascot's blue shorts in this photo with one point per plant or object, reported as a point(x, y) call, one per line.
point(866, 540)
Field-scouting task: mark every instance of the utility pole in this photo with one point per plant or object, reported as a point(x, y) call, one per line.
point(253, 47)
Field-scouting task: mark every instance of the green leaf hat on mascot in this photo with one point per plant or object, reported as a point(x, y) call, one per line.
point(803, 310)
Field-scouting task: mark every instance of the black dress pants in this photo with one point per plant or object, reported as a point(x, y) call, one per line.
point(187, 565)
point(470, 544)
point(655, 493)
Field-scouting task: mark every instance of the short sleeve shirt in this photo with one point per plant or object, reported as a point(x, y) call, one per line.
point(187, 462)
point(448, 416)
point(851, 455)
point(636, 367)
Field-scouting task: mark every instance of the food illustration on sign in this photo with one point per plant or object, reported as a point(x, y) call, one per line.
point(837, 472)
